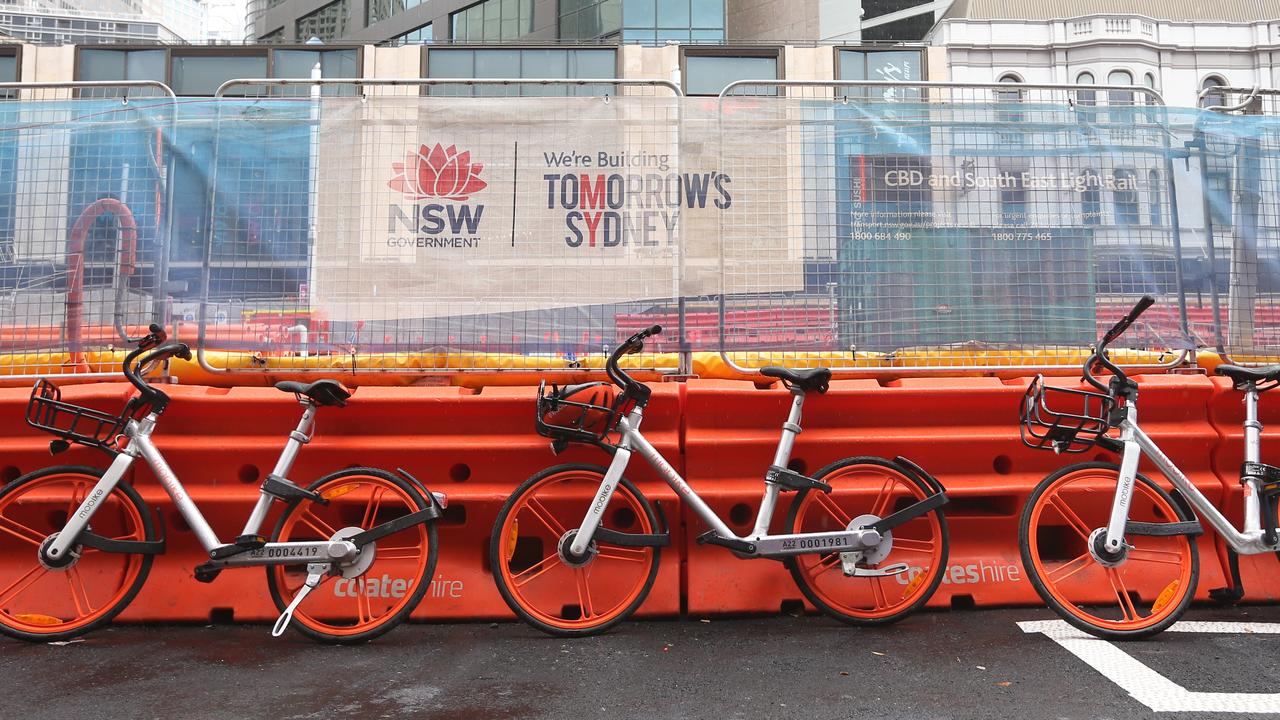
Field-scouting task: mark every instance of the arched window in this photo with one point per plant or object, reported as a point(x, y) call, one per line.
point(1120, 97)
point(1149, 81)
point(1009, 96)
point(1126, 197)
point(1090, 197)
point(1214, 98)
point(1086, 97)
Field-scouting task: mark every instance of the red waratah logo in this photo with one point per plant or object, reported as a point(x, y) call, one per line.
point(437, 172)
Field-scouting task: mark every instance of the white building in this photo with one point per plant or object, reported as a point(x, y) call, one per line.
point(1177, 47)
point(81, 22)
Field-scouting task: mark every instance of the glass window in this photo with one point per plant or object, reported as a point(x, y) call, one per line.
point(1090, 198)
point(640, 14)
point(275, 36)
point(1126, 197)
point(1120, 97)
point(299, 63)
point(418, 35)
point(1155, 215)
point(1013, 198)
point(492, 20)
point(202, 74)
point(515, 63)
point(1009, 97)
point(1214, 98)
point(673, 14)
point(120, 65)
point(709, 74)
point(1086, 97)
point(8, 68)
point(327, 23)
point(1219, 192)
point(707, 14)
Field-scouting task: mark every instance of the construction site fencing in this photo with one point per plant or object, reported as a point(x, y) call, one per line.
point(424, 226)
point(85, 195)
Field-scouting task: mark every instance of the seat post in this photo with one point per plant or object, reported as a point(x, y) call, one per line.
point(300, 436)
point(790, 428)
point(1252, 427)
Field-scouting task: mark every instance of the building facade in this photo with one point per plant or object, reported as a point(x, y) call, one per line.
point(104, 21)
point(1176, 48)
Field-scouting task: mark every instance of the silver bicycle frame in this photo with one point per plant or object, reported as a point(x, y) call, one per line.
point(1250, 541)
point(632, 440)
point(140, 444)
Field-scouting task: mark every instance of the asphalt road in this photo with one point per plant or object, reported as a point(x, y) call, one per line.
point(976, 664)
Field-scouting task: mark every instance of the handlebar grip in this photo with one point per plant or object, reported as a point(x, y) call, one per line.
point(655, 330)
point(1119, 328)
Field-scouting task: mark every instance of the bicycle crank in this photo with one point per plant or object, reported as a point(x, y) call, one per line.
point(315, 573)
point(870, 556)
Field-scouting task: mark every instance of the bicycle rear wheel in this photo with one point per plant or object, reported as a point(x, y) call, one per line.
point(1140, 596)
point(40, 603)
point(530, 570)
point(359, 608)
point(869, 487)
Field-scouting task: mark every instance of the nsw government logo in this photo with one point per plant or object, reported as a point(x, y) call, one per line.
point(447, 177)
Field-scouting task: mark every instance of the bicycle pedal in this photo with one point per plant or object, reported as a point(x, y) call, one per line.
point(315, 573)
point(242, 544)
point(887, 571)
point(207, 573)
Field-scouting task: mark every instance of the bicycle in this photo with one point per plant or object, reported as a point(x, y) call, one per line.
point(87, 538)
point(1112, 552)
point(570, 570)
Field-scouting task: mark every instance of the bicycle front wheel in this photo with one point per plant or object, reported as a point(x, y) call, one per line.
point(375, 599)
point(1139, 596)
point(538, 584)
point(43, 603)
point(866, 489)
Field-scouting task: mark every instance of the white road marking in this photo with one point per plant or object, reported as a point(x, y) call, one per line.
point(1149, 687)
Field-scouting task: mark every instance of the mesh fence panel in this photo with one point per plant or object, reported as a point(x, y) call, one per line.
point(957, 226)
point(84, 194)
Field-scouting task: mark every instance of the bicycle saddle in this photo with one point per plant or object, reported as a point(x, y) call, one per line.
point(1239, 375)
point(322, 392)
point(806, 379)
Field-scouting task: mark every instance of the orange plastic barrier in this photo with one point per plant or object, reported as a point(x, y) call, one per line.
point(477, 445)
point(962, 430)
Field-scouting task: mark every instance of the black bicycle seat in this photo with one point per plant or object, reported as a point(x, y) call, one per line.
point(806, 379)
point(1244, 375)
point(322, 392)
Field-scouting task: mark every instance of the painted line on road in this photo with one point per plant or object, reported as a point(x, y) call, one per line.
point(1149, 687)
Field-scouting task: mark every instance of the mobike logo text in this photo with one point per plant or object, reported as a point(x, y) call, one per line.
point(436, 173)
point(643, 210)
point(389, 587)
point(968, 574)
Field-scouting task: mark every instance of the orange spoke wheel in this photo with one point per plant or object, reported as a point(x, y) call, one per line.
point(862, 487)
point(356, 609)
point(1137, 597)
point(530, 539)
point(42, 603)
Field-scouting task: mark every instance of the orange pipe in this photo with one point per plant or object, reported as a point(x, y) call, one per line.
point(75, 265)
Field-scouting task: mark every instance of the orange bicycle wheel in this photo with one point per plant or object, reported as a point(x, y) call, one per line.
point(531, 571)
point(1141, 595)
point(356, 609)
point(866, 489)
point(43, 603)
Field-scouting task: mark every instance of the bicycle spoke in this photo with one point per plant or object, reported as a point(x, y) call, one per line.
point(20, 531)
point(541, 512)
point(364, 612)
point(834, 510)
point(9, 593)
point(1082, 562)
point(910, 545)
point(408, 552)
point(1073, 520)
point(517, 578)
point(584, 593)
point(371, 510)
point(828, 563)
point(1126, 603)
point(625, 554)
point(77, 497)
point(877, 594)
point(881, 505)
point(79, 593)
point(1163, 557)
point(315, 523)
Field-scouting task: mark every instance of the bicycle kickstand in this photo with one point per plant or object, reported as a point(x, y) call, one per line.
point(315, 573)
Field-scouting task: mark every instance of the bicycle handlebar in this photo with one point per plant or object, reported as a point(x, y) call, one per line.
point(1099, 360)
point(132, 366)
point(630, 346)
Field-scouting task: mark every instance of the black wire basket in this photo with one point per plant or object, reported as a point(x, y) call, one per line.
point(589, 421)
point(85, 426)
point(1062, 419)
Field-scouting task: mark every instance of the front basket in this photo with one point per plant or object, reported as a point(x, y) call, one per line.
point(1063, 419)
